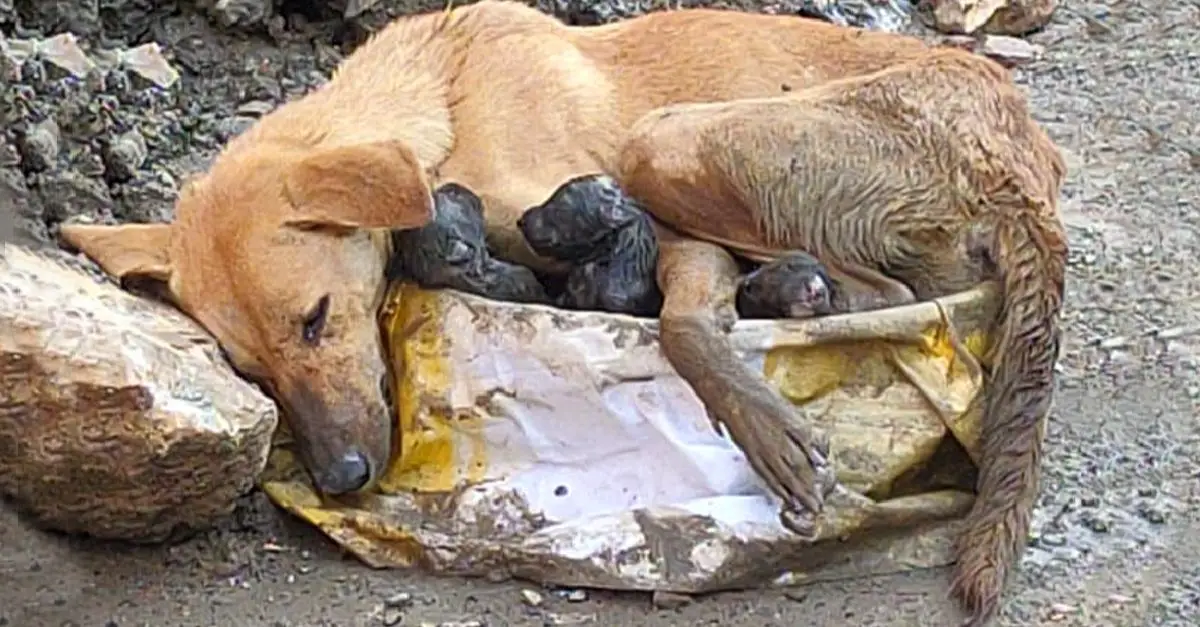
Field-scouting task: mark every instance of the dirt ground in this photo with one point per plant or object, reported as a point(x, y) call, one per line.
point(1116, 539)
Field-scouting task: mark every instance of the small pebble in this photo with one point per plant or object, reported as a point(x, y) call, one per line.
point(1053, 539)
point(669, 600)
point(392, 616)
point(1154, 516)
point(532, 598)
point(40, 145)
point(577, 596)
point(799, 596)
point(1063, 608)
point(1120, 599)
point(125, 155)
point(568, 619)
point(1098, 526)
point(400, 599)
point(1009, 51)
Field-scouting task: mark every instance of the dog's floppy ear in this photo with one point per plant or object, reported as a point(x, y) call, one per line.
point(128, 251)
point(366, 186)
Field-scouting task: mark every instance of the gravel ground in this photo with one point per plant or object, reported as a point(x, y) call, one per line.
point(1116, 540)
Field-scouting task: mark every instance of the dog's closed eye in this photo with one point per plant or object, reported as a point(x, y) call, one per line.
point(314, 321)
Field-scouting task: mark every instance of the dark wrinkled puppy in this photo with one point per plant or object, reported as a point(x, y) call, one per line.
point(451, 252)
point(590, 222)
point(577, 219)
point(793, 286)
point(622, 279)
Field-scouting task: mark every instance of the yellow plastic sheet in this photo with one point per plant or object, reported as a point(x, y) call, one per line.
point(561, 447)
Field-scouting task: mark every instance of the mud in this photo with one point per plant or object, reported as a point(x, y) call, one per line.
point(1115, 539)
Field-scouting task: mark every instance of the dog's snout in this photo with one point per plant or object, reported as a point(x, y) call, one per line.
point(349, 474)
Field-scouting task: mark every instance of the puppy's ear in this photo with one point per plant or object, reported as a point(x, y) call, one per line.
point(129, 251)
point(367, 186)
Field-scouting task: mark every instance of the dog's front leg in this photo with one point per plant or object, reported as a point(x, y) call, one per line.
point(699, 282)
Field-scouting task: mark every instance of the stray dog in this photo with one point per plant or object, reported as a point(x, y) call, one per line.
point(905, 169)
point(594, 225)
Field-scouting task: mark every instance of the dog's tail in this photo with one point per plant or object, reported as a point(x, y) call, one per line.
point(1029, 250)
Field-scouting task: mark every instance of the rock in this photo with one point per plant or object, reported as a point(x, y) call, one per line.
point(399, 600)
point(354, 8)
point(669, 600)
point(1009, 51)
point(76, 16)
point(240, 13)
point(124, 155)
point(881, 15)
point(40, 145)
point(995, 17)
point(64, 52)
point(1020, 17)
point(118, 418)
point(147, 61)
point(532, 598)
point(963, 17)
point(392, 616)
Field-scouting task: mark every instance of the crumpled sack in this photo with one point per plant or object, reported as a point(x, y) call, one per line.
point(562, 448)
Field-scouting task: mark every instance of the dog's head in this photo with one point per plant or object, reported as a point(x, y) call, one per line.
point(278, 253)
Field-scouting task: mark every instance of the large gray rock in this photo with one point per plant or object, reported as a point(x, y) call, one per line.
point(118, 417)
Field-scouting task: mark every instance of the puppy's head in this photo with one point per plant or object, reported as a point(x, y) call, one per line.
point(796, 286)
point(278, 252)
point(579, 215)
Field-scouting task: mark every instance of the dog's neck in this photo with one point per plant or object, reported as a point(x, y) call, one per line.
point(410, 103)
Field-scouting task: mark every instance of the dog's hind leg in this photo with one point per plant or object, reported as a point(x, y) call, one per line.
point(699, 283)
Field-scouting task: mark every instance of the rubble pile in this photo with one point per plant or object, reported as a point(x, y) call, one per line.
point(992, 27)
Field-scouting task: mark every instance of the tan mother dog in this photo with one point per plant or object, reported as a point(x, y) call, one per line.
point(883, 156)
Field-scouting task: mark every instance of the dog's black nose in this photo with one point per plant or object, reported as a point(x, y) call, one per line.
point(348, 474)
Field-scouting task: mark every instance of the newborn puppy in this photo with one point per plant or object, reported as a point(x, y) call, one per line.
point(590, 222)
point(451, 252)
point(573, 224)
point(623, 279)
point(793, 286)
